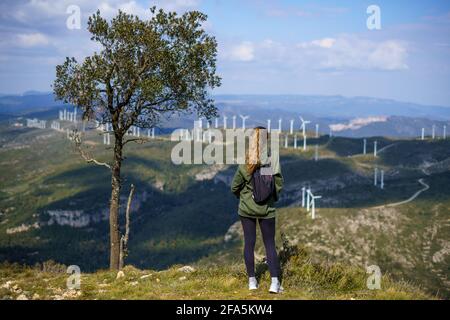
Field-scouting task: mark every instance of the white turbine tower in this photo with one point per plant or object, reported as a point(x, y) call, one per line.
point(216, 123)
point(286, 141)
point(308, 191)
point(312, 203)
point(433, 132)
point(316, 153)
point(291, 129)
point(279, 125)
point(303, 196)
point(268, 125)
point(225, 122)
point(107, 139)
point(303, 126)
point(444, 133)
point(423, 134)
point(375, 177)
point(234, 122)
point(317, 130)
point(295, 142)
point(375, 145)
point(304, 143)
point(382, 179)
point(244, 118)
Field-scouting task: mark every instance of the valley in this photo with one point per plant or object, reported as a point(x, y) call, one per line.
point(53, 206)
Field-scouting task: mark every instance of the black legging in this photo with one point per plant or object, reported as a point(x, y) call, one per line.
point(267, 227)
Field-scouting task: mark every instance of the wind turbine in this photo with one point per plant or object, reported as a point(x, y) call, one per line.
point(234, 122)
point(444, 133)
point(316, 153)
point(365, 147)
point(382, 179)
point(303, 196)
point(317, 130)
point(304, 142)
point(375, 177)
point(244, 118)
point(279, 124)
point(291, 129)
point(375, 144)
point(295, 142)
point(268, 125)
point(216, 123)
point(423, 133)
point(303, 126)
point(433, 132)
point(312, 203)
point(286, 141)
point(225, 122)
point(308, 191)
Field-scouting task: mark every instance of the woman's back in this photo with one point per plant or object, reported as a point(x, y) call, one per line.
point(242, 188)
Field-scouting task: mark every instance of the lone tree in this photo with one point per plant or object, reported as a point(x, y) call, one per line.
point(145, 69)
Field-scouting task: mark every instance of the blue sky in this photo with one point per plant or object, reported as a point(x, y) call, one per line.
point(265, 47)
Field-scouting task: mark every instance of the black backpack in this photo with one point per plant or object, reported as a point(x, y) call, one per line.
point(263, 186)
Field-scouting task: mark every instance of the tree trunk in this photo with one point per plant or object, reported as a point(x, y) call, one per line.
point(115, 206)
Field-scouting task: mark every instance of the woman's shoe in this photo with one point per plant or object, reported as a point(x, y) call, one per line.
point(252, 283)
point(275, 286)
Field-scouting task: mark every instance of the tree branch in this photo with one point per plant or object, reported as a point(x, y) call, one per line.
point(124, 238)
point(84, 154)
point(137, 140)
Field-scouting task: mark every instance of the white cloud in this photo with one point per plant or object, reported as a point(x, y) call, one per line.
point(389, 55)
point(330, 54)
point(32, 40)
point(243, 52)
point(351, 52)
point(324, 43)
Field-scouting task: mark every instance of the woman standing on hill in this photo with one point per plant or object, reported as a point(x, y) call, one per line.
point(257, 184)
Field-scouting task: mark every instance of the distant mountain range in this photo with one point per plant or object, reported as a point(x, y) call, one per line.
point(351, 117)
point(335, 106)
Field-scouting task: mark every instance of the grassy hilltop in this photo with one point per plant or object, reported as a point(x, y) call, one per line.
point(303, 280)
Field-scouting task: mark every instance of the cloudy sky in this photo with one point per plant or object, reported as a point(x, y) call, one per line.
point(265, 47)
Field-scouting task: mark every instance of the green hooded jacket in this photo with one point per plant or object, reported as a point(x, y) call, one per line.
point(242, 188)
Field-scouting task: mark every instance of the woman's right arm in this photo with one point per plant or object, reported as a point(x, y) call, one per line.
point(238, 183)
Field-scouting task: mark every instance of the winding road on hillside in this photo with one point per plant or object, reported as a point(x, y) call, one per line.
point(414, 196)
point(386, 147)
